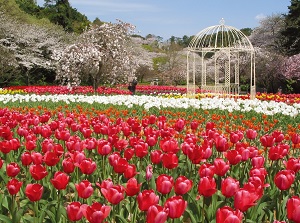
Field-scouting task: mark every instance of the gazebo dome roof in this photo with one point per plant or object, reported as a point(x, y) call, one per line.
point(218, 37)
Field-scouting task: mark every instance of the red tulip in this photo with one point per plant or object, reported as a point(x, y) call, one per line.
point(267, 140)
point(210, 125)
point(74, 211)
point(207, 170)
point(51, 158)
point(179, 125)
point(194, 152)
point(1, 162)
point(113, 158)
point(255, 186)
point(87, 166)
point(259, 172)
point(84, 189)
point(164, 184)
point(156, 214)
point(284, 179)
point(34, 192)
point(26, 159)
point(141, 149)
point(128, 153)
point(12, 169)
point(295, 138)
point(37, 158)
point(146, 199)
point(68, 165)
point(96, 213)
point(293, 164)
point(233, 156)
point(156, 156)
point(121, 144)
point(120, 166)
point(251, 134)
point(221, 167)
point(221, 144)
point(176, 206)
point(113, 194)
point(14, 144)
point(243, 200)
point(194, 125)
point(278, 135)
point(236, 136)
point(38, 171)
point(182, 185)
point(228, 215)
point(13, 186)
point(293, 209)
point(258, 161)
point(169, 145)
point(130, 171)
point(207, 186)
point(229, 186)
point(132, 187)
point(5, 146)
point(278, 152)
point(60, 180)
point(152, 119)
point(152, 139)
point(62, 134)
point(105, 184)
point(170, 160)
point(104, 147)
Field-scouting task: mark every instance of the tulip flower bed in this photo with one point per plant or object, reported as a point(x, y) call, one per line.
point(68, 158)
point(165, 91)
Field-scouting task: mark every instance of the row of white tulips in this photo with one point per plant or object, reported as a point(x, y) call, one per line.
point(147, 102)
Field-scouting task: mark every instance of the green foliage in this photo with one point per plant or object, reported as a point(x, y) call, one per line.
point(58, 12)
point(291, 33)
point(246, 31)
point(148, 47)
point(158, 62)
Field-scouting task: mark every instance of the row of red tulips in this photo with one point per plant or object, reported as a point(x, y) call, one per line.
point(67, 167)
point(144, 90)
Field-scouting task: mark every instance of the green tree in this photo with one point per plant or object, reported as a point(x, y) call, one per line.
point(29, 6)
point(247, 31)
point(291, 33)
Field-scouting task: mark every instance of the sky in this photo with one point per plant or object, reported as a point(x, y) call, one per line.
point(166, 18)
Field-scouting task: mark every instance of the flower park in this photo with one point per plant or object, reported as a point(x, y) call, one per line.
point(99, 124)
point(115, 157)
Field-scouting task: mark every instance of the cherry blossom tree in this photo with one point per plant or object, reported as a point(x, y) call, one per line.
point(31, 44)
point(291, 67)
point(291, 71)
point(268, 34)
point(103, 53)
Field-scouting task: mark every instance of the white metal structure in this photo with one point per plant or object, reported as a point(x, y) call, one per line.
point(220, 49)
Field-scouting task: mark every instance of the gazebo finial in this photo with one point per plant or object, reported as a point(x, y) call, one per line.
point(222, 21)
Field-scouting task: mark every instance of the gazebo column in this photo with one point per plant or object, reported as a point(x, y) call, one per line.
point(227, 77)
point(236, 78)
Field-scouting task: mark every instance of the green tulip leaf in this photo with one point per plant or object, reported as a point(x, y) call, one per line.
point(5, 219)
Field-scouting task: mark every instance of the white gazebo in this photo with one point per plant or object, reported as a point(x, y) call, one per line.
point(220, 50)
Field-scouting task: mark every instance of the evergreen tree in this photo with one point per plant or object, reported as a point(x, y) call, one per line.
point(291, 33)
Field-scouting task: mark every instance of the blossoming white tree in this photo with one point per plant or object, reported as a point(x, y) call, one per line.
point(31, 44)
point(102, 53)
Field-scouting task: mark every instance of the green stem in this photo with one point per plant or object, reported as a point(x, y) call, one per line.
point(58, 206)
point(13, 210)
point(36, 211)
point(203, 214)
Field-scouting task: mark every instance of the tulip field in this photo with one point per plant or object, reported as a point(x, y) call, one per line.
point(155, 157)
